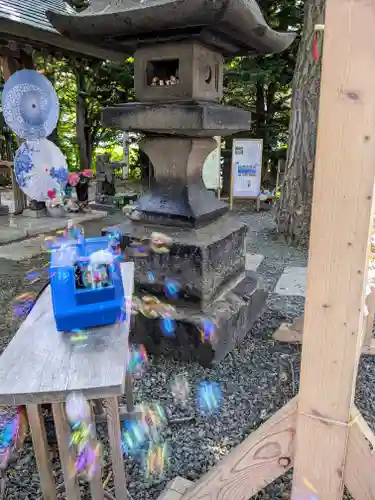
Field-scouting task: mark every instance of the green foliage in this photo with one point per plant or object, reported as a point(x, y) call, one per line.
point(117, 154)
point(79, 5)
point(91, 85)
point(263, 84)
point(259, 84)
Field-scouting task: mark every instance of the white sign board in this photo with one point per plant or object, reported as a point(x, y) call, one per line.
point(246, 167)
point(211, 167)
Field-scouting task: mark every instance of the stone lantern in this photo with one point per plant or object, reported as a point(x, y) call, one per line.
point(179, 48)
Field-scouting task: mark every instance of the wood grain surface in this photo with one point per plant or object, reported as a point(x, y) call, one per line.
point(41, 365)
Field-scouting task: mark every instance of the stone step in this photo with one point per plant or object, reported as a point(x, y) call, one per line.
point(292, 282)
point(232, 316)
point(175, 489)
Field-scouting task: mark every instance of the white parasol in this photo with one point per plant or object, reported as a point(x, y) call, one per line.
point(40, 167)
point(30, 105)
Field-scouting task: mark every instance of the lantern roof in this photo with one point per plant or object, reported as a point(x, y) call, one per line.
point(233, 27)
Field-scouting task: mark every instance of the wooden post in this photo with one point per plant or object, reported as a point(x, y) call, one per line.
point(10, 65)
point(339, 249)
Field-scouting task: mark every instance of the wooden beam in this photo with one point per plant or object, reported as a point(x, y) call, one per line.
point(26, 60)
point(9, 65)
point(33, 36)
point(359, 475)
point(264, 456)
point(339, 249)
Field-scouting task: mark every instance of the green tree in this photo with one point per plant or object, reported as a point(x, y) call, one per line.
point(98, 84)
point(79, 5)
point(83, 88)
point(88, 86)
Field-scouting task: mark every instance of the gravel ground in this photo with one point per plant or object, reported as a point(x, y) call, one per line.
point(256, 379)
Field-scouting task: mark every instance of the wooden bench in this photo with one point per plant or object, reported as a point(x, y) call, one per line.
point(40, 365)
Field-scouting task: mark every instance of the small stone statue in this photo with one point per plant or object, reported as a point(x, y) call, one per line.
point(106, 179)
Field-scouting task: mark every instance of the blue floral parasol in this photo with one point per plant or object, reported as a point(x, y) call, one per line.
point(30, 105)
point(40, 167)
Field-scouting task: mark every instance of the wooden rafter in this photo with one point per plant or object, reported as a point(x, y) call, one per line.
point(231, 479)
point(51, 40)
point(264, 456)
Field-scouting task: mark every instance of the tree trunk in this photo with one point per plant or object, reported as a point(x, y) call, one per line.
point(54, 137)
point(260, 120)
point(89, 144)
point(84, 159)
point(294, 211)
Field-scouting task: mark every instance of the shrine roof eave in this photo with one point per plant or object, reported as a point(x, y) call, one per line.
point(54, 41)
point(234, 27)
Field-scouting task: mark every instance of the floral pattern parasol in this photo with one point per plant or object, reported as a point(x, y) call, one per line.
point(30, 105)
point(40, 167)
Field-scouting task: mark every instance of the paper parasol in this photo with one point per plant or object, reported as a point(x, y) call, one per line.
point(30, 105)
point(40, 167)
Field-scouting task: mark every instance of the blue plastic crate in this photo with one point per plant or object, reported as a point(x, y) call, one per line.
point(76, 305)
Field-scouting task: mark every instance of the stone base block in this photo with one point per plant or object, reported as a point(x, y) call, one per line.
point(35, 214)
point(4, 209)
point(123, 198)
point(233, 314)
point(201, 261)
point(103, 207)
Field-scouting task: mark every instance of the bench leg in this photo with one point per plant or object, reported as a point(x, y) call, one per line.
point(129, 392)
point(96, 485)
point(114, 436)
point(67, 456)
point(43, 460)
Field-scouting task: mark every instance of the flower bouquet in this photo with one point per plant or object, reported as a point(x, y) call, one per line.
point(81, 181)
point(55, 203)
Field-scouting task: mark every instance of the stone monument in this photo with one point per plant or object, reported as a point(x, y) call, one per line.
point(179, 48)
point(105, 182)
point(106, 197)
